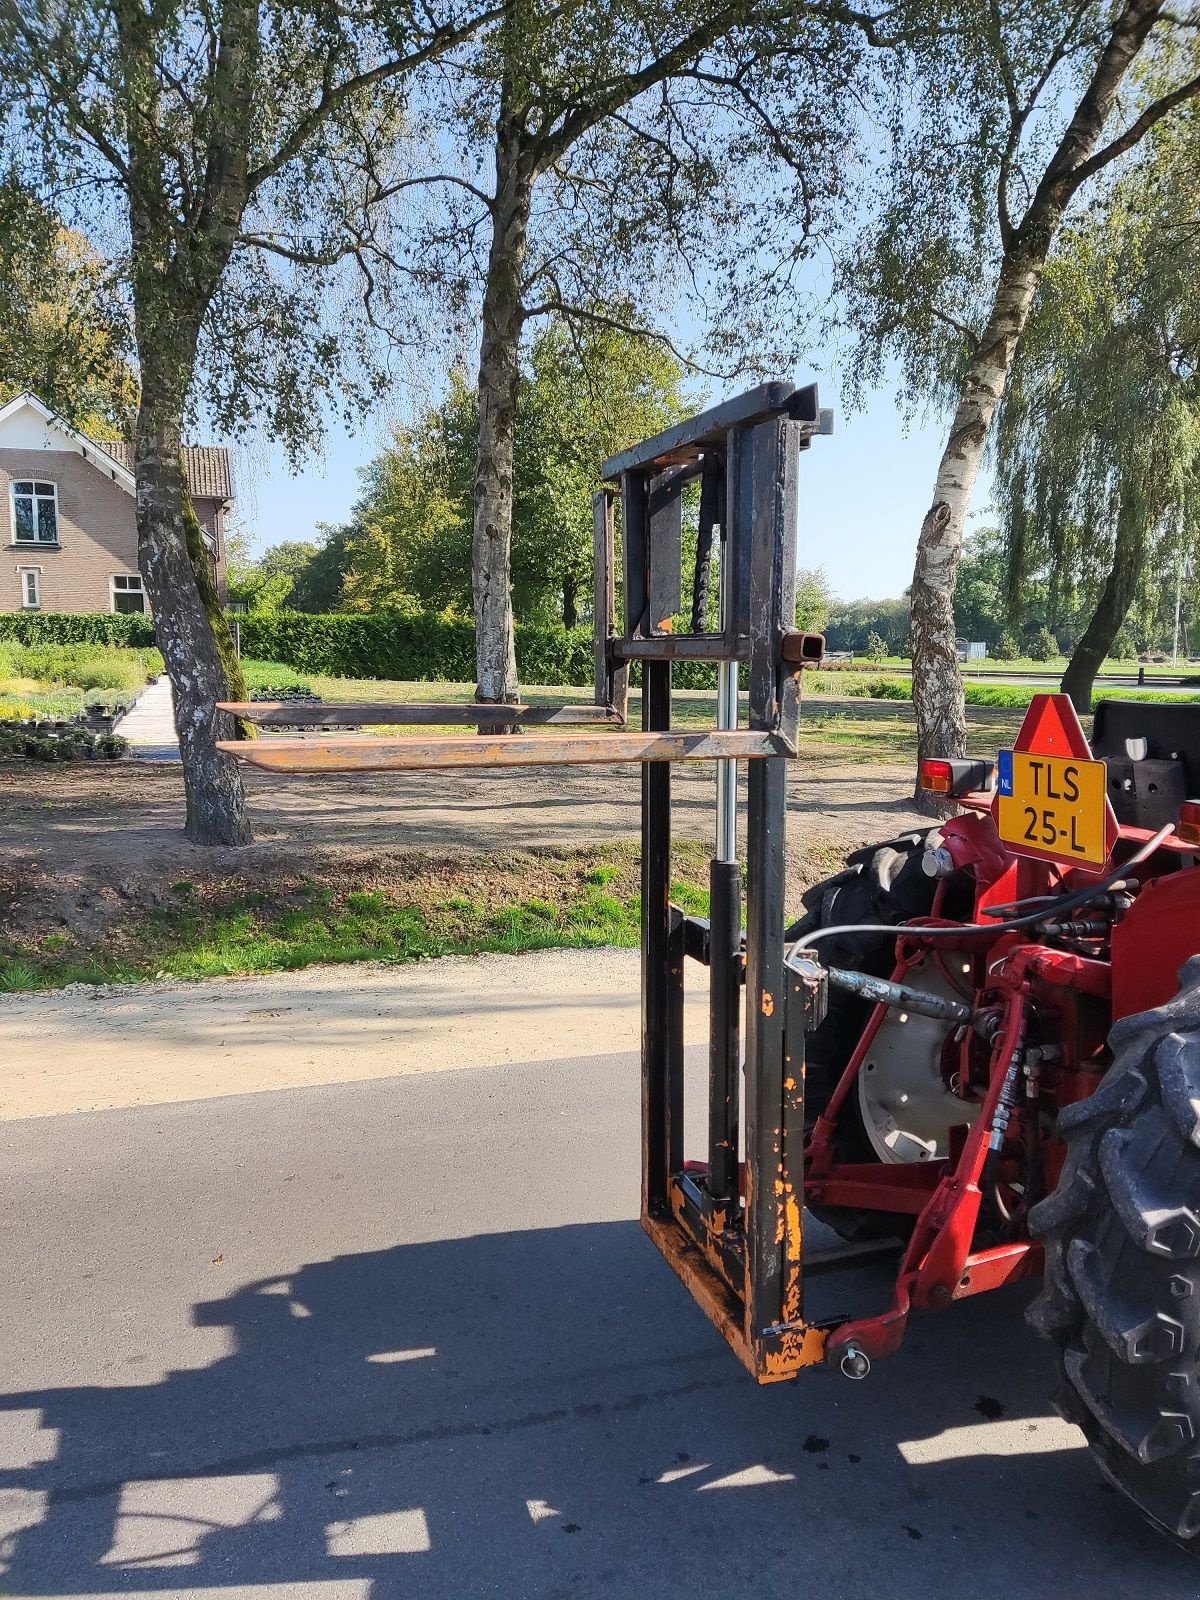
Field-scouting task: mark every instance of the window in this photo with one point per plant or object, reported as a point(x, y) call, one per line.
point(35, 512)
point(127, 592)
point(31, 588)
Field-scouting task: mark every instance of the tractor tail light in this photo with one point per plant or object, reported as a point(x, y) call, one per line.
point(1188, 829)
point(937, 776)
point(956, 778)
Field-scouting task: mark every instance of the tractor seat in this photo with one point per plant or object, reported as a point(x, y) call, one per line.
point(1147, 786)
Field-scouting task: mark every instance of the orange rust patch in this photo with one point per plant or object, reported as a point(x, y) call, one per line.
point(801, 1347)
point(768, 1004)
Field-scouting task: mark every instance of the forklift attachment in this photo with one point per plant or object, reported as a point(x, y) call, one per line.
point(730, 1225)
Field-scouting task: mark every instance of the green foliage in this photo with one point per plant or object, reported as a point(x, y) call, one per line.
point(408, 545)
point(82, 666)
point(420, 648)
point(268, 583)
point(586, 394)
point(851, 623)
point(857, 686)
point(1098, 452)
point(47, 744)
point(64, 333)
point(413, 647)
point(876, 648)
point(1041, 645)
point(1005, 648)
point(581, 399)
point(62, 627)
point(272, 680)
point(980, 599)
point(814, 599)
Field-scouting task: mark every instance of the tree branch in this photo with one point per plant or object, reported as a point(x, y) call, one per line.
point(1137, 130)
point(603, 319)
point(333, 95)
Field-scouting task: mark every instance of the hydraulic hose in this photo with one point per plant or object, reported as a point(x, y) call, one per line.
point(1054, 909)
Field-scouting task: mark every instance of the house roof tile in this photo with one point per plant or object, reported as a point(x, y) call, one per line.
point(206, 467)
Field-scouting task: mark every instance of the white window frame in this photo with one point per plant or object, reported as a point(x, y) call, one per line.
point(23, 576)
point(35, 543)
point(136, 577)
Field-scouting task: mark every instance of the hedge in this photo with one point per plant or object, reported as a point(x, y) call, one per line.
point(62, 627)
point(424, 648)
point(378, 645)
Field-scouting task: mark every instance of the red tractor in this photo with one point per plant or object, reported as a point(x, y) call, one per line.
point(1010, 1082)
point(980, 1047)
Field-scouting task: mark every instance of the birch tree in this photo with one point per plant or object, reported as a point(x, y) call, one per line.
point(1098, 441)
point(1003, 123)
point(625, 157)
point(221, 149)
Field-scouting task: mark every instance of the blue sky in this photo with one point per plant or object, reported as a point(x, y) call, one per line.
point(863, 494)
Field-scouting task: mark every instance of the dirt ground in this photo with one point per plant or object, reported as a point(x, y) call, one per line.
point(77, 843)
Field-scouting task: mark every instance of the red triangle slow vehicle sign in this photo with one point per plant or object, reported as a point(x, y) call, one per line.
point(1051, 796)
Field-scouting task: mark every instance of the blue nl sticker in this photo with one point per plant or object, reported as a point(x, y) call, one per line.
point(1004, 773)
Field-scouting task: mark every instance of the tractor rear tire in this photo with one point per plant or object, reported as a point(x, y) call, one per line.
point(886, 884)
point(1121, 1296)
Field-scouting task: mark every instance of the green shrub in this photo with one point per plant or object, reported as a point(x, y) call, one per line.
point(1005, 648)
point(864, 688)
point(421, 648)
point(424, 648)
point(1042, 646)
point(79, 666)
point(1012, 695)
point(60, 627)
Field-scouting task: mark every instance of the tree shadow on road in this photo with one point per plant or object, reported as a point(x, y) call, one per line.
point(546, 1413)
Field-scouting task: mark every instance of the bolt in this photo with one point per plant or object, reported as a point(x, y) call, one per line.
point(855, 1363)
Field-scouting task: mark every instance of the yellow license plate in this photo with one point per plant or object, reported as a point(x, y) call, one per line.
point(1054, 806)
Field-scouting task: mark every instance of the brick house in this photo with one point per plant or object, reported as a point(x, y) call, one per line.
point(68, 534)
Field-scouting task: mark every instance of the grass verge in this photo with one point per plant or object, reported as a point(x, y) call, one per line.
point(427, 906)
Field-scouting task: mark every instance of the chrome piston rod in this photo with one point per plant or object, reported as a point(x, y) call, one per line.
point(898, 996)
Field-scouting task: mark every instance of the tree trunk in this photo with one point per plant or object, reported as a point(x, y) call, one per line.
point(1129, 550)
point(216, 806)
point(937, 682)
point(499, 365)
point(176, 269)
point(210, 599)
point(570, 601)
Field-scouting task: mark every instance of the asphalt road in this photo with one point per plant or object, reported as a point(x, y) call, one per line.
point(402, 1338)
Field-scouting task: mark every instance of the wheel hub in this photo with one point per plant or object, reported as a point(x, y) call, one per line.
point(907, 1109)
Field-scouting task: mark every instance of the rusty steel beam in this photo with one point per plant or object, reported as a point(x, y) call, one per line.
point(302, 714)
point(529, 750)
point(693, 647)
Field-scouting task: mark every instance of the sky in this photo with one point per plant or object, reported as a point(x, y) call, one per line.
point(863, 493)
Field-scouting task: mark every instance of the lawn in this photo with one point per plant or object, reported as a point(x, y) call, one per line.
point(832, 723)
point(1056, 664)
point(418, 905)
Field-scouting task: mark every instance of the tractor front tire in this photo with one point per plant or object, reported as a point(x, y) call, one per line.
point(1121, 1296)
